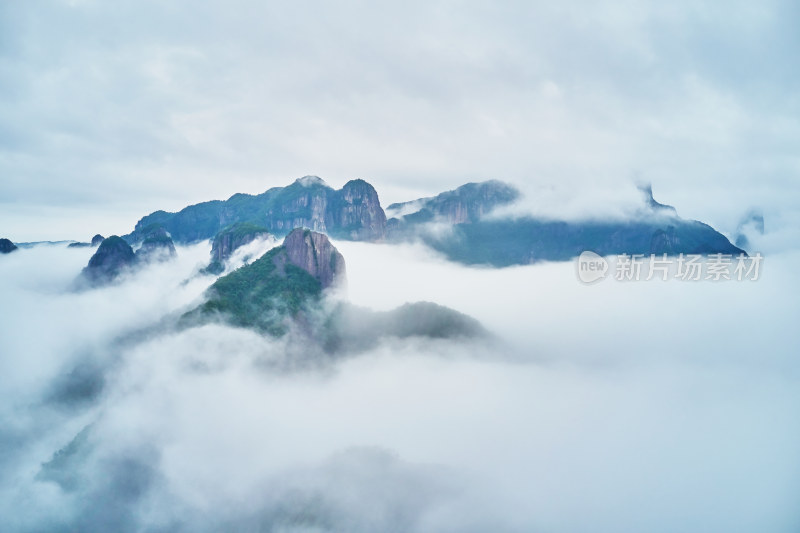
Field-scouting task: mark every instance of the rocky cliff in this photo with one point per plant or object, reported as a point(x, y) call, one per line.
point(6, 246)
point(353, 212)
point(97, 240)
point(112, 258)
point(229, 240)
point(315, 254)
point(465, 204)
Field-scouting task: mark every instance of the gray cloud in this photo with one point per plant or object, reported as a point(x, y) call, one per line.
point(160, 105)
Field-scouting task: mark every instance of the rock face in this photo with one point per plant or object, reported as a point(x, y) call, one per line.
point(229, 240)
point(97, 239)
point(315, 254)
point(112, 257)
point(6, 246)
point(156, 246)
point(465, 204)
point(356, 213)
point(353, 212)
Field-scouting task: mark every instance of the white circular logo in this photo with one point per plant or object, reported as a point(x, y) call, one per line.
point(591, 267)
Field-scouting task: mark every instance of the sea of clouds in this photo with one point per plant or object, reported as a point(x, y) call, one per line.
point(641, 406)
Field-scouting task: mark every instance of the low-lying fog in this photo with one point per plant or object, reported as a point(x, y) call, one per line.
point(642, 406)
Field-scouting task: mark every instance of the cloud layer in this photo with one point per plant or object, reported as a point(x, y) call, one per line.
point(654, 406)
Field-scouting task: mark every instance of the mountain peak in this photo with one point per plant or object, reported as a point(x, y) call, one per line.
point(652, 203)
point(311, 181)
point(314, 253)
point(6, 246)
point(112, 257)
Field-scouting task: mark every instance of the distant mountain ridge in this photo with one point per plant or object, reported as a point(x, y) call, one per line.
point(500, 242)
point(354, 213)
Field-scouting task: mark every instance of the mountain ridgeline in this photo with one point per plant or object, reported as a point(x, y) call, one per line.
point(354, 213)
point(465, 204)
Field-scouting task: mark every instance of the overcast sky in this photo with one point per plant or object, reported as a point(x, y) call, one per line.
point(110, 110)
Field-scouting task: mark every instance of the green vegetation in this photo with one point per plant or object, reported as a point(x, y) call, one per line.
point(262, 294)
point(157, 239)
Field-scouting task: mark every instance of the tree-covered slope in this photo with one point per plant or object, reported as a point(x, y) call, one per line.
point(277, 287)
point(262, 295)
